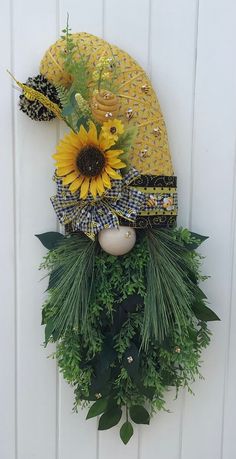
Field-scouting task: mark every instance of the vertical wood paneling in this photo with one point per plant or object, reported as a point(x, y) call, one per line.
point(34, 28)
point(7, 249)
point(213, 176)
point(172, 67)
point(190, 57)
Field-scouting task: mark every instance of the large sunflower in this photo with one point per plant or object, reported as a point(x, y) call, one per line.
point(85, 161)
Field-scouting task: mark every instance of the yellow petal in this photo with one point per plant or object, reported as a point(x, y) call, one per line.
point(106, 180)
point(69, 178)
point(116, 163)
point(72, 139)
point(73, 143)
point(84, 188)
point(93, 187)
point(64, 162)
point(113, 153)
point(113, 174)
point(83, 135)
point(105, 142)
point(100, 185)
point(63, 156)
point(92, 133)
point(61, 171)
point(113, 161)
point(76, 184)
point(98, 188)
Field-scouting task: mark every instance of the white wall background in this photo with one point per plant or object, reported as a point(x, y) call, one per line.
point(188, 47)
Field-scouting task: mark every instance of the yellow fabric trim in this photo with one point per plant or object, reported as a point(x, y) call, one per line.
point(157, 212)
point(156, 190)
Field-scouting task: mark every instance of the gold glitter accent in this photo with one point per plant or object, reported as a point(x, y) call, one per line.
point(145, 88)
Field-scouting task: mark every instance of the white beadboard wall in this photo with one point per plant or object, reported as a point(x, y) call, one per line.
point(188, 47)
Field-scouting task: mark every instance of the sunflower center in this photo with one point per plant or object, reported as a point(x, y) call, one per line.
point(90, 161)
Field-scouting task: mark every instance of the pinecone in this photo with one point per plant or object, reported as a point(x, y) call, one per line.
point(33, 108)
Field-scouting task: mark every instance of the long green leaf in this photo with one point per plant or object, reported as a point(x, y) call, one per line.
point(139, 414)
point(51, 239)
point(126, 432)
point(97, 408)
point(202, 312)
point(110, 418)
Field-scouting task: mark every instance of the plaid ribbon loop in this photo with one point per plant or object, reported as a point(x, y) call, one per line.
point(91, 216)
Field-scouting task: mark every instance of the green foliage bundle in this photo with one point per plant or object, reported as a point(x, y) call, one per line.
point(139, 330)
point(71, 265)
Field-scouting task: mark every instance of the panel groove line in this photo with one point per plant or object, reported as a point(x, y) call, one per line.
point(15, 225)
point(193, 112)
point(189, 220)
point(230, 322)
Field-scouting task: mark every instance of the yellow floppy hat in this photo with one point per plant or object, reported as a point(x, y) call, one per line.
point(136, 99)
point(134, 103)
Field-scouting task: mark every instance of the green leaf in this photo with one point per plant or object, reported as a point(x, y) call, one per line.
point(199, 293)
point(149, 392)
point(97, 408)
point(49, 329)
point(81, 121)
point(54, 278)
point(110, 418)
point(72, 98)
point(107, 355)
point(198, 240)
point(126, 140)
point(67, 110)
point(202, 312)
point(51, 239)
point(139, 414)
point(126, 432)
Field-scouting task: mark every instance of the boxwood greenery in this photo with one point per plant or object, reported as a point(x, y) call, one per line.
point(127, 328)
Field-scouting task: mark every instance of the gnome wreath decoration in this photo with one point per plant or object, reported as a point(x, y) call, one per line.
point(124, 305)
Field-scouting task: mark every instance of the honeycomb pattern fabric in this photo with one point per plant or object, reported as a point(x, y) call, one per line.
point(138, 103)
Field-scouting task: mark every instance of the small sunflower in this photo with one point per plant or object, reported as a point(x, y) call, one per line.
point(84, 161)
point(112, 129)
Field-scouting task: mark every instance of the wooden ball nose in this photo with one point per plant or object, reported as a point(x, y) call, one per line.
point(117, 241)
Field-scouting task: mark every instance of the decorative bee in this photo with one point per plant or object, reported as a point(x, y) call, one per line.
point(167, 203)
point(145, 88)
point(157, 132)
point(129, 114)
point(143, 154)
point(152, 200)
